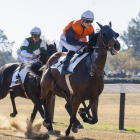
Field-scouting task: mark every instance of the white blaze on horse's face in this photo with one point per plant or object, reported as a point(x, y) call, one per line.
point(114, 39)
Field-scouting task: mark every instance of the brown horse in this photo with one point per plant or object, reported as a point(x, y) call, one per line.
point(32, 85)
point(86, 81)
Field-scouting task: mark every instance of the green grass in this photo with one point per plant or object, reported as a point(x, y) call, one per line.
point(104, 127)
point(132, 128)
point(61, 124)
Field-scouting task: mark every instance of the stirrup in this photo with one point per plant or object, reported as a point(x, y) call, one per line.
point(17, 81)
point(64, 72)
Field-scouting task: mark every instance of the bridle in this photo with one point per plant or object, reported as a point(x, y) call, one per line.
point(47, 53)
point(105, 47)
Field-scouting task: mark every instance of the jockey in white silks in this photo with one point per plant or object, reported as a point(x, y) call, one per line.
point(74, 37)
point(26, 51)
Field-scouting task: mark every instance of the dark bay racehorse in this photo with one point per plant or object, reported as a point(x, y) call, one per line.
point(32, 83)
point(86, 82)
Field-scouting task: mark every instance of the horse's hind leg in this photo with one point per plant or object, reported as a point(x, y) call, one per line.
point(87, 109)
point(3, 91)
point(94, 107)
point(12, 97)
point(83, 112)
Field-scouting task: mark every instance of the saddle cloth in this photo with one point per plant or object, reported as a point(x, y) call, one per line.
point(22, 73)
point(73, 63)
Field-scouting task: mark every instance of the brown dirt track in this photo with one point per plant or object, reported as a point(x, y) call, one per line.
point(105, 129)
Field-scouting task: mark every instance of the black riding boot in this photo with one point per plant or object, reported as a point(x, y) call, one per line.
point(66, 63)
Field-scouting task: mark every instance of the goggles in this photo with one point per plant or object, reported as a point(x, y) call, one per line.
point(35, 36)
point(88, 21)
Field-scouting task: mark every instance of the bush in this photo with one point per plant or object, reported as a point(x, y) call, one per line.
point(122, 80)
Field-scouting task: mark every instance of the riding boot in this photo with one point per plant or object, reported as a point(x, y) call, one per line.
point(66, 63)
point(18, 79)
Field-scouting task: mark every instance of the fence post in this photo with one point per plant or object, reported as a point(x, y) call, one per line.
point(122, 110)
point(53, 105)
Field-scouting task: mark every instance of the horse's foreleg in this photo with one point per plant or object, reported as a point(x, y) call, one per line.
point(12, 97)
point(72, 118)
point(94, 107)
point(77, 123)
point(48, 112)
point(46, 84)
point(37, 103)
point(33, 115)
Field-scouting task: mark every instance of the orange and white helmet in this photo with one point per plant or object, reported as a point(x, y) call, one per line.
point(88, 15)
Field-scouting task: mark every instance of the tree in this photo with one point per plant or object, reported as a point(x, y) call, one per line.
point(124, 60)
point(131, 37)
point(5, 49)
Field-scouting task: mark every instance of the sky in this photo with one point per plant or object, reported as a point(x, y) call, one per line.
point(18, 17)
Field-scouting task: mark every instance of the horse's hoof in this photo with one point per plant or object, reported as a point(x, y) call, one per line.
point(80, 126)
point(13, 115)
point(51, 132)
point(74, 130)
point(45, 124)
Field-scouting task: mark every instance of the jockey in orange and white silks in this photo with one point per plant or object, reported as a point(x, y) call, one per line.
point(74, 37)
point(29, 45)
point(74, 34)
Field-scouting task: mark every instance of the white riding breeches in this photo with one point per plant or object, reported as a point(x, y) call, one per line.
point(25, 59)
point(69, 47)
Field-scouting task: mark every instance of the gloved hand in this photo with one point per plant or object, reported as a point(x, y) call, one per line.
point(35, 56)
point(83, 44)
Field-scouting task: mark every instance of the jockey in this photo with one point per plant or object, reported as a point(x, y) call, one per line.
point(29, 45)
point(74, 37)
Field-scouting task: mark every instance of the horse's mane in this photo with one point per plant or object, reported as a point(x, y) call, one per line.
point(34, 68)
point(92, 43)
point(93, 40)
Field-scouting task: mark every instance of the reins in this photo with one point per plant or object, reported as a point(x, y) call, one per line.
point(93, 66)
point(105, 47)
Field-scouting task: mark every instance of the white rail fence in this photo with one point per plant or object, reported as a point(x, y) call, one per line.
point(122, 89)
point(116, 88)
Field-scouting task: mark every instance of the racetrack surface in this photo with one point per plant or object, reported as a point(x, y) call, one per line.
point(105, 129)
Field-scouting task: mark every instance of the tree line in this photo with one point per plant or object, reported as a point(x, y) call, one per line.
point(128, 59)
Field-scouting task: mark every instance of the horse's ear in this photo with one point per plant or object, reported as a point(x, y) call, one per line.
point(54, 44)
point(117, 34)
point(47, 45)
point(110, 24)
point(99, 25)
